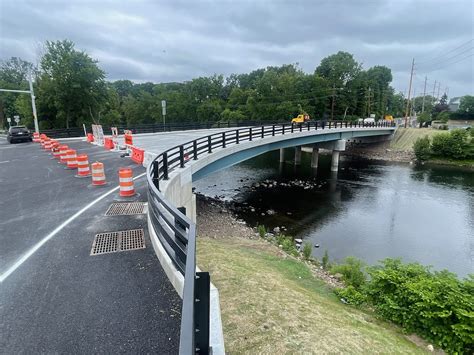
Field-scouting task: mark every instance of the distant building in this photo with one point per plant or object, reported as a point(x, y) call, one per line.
point(454, 104)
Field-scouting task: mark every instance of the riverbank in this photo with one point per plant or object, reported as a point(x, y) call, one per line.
point(274, 303)
point(400, 149)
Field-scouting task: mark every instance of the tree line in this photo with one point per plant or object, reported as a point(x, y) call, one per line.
point(72, 89)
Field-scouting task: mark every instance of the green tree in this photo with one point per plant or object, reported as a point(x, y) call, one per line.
point(73, 83)
point(14, 74)
point(466, 104)
point(423, 118)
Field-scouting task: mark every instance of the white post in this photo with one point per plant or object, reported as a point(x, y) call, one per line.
point(33, 104)
point(315, 158)
point(297, 155)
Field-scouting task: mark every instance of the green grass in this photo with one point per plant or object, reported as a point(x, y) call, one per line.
point(405, 137)
point(273, 304)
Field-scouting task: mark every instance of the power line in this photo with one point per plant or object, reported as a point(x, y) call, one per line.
point(448, 64)
point(445, 60)
point(450, 51)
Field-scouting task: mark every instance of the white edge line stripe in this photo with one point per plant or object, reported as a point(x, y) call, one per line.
point(35, 248)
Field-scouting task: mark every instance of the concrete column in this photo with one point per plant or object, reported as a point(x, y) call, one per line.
point(298, 155)
point(315, 158)
point(335, 160)
point(282, 155)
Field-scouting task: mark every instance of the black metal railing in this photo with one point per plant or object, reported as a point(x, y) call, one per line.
point(149, 128)
point(177, 233)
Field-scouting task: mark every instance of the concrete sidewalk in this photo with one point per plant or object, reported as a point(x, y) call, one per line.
point(61, 299)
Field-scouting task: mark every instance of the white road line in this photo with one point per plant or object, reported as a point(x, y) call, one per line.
point(35, 248)
point(6, 161)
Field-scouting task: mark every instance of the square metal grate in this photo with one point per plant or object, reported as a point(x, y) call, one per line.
point(111, 242)
point(126, 208)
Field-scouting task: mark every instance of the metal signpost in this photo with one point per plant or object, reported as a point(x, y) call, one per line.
point(33, 104)
point(17, 119)
point(163, 108)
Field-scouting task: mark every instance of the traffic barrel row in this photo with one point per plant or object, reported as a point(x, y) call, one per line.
point(80, 162)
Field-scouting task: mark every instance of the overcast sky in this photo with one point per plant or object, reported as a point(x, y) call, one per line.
point(163, 41)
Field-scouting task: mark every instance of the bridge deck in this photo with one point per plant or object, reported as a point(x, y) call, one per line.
point(61, 299)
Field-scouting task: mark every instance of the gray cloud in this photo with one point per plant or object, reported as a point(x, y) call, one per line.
point(179, 40)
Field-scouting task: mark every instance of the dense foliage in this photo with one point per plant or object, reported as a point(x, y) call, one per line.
point(456, 144)
point(435, 305)
point(422, 148)
point(71, 90)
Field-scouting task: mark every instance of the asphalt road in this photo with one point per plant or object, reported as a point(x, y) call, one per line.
point(58, 298)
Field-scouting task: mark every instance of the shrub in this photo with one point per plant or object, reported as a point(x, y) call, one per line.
point(422, 148)
point(287, 243)
point(307, 248)
point(352, 271)
point(325, 260)
point(351, 295)
point(455, 144)
point(443, 116)
point(261, 230)
point(435, 305)
point(440, 144)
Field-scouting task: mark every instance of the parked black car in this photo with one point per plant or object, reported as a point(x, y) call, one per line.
point(19, 134)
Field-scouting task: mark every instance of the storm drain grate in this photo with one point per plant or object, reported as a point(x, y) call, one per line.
point(111, 242)
point(126, 209)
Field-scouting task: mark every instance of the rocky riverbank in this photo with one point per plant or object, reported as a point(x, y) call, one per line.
point(381, 152)
point(216, 219)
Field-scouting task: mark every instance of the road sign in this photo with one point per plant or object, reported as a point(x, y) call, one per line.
point(17, 118)
point(163, 107)
point(9, 119)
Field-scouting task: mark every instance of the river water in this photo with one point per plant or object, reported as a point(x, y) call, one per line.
point(371, 210)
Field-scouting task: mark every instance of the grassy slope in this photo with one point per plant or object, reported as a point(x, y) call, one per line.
point(405, 137)
point(272, 304)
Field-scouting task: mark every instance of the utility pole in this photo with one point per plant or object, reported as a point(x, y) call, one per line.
point(409, 92)
point(368, 103)
point(333, 97)
point(434, 88)
point(437, 96)
point(424, 94)
point(33, 104)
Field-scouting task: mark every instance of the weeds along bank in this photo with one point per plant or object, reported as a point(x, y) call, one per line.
point(274, 300)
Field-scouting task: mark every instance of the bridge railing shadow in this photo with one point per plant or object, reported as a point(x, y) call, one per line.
point(177, 233)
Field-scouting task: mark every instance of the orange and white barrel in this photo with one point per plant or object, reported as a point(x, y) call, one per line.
point(71, 162)
point(83, 166)
point(55, 150)
point(47, 144)
point(36, 137)
point(126, 182)
point(63, 153)
point(42, 138)
point(98, 175)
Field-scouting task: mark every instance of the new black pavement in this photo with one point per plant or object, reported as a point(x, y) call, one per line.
point(61, 299)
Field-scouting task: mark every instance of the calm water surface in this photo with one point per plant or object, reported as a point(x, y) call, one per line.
point(370, 210)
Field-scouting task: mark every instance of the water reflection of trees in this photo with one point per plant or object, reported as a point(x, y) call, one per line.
point(443, 176)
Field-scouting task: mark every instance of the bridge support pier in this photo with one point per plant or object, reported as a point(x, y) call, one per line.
point(335, 161)
point(297, 155)
point(315, 158)
point(282, 155)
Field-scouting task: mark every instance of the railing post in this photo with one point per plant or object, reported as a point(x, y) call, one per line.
point(283, 127)
point(301, 127)
point(202, 288)
point(223, 139)
point(329, 124)
point(209, 144)
point(237, 136)
point(273, 130)
point(250, 134)
point(195, 150)
point(263, 131)
point(165, 166)
point(181, 156)
point(292, 127)
point(156, 174)
point(316, 125)
point(308, 124)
